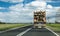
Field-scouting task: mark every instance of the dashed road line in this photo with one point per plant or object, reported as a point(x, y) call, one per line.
point(20, 34)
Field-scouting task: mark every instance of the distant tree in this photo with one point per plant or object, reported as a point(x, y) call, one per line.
point(2, 22)
point(57, 22)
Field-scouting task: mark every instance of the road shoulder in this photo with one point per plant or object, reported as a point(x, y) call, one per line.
point(52, 31)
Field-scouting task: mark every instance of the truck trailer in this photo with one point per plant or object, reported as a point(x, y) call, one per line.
point(39, 19)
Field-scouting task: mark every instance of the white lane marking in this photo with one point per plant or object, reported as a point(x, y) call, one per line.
point(24, 32)
point(52, 31)
point(11, 29)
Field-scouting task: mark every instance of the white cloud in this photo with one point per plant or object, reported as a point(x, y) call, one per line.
point(14, 17)
point(18, 14)
point(16, 7)
point(43, 0)
point(49, 6)
point(57, 13)
point(12, 1)
point(57, 9)
point(51, 12)
point(38, 4)
point(2, 8)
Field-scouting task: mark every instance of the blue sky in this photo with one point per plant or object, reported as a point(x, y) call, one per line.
point(21, 11)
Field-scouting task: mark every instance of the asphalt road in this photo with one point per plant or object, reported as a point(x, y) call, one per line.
point(39, 32)
point(32, 32)
point(14, 32)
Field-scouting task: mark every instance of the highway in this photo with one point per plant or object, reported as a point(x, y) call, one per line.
point(39, 32)
point(31, 32)
point(14, 32)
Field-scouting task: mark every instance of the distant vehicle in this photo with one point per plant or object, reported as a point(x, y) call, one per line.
point(39, 19)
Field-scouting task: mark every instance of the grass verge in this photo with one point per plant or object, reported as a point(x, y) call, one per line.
point(55, 27)
point(9, 26)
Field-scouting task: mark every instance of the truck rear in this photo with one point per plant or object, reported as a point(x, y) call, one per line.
point(39, 19)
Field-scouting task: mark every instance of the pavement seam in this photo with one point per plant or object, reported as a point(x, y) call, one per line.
point(52, 31)
point(20, 34)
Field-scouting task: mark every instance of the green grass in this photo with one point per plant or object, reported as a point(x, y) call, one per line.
point(55, 27)
point(8, 26)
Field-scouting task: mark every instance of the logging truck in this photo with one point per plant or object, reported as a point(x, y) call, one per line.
point(39, 19)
